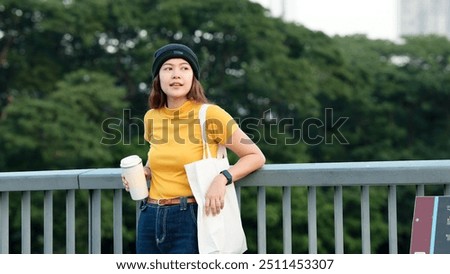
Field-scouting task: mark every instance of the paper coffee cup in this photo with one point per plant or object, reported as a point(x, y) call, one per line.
point(133, 171)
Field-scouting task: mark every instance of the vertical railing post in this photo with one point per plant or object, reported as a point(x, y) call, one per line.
point(238, 194)
point(4, 222)
point(392, 219)
point(287, 220)
point(138, 213)
point(26, 222)
point(117, 220)
point(95, 221)
point(365, 219)
point(312, 220)
point(70, 221)
point(420, 190)
point(48, 222)
point(447, 189)
point(338, 221)
point(261, 220)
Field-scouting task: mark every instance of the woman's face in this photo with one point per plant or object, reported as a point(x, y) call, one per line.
point(176, 77)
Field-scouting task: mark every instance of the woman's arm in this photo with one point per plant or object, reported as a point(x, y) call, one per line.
point(251, 158)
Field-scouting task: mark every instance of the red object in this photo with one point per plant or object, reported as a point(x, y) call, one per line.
point(422, 225)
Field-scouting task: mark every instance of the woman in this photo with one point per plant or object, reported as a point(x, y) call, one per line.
point(167, 223)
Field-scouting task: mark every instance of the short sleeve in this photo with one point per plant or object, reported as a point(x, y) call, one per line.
point(220, 125)
point(147, 126)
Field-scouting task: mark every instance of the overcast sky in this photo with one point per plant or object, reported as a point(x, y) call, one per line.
point(375, 18)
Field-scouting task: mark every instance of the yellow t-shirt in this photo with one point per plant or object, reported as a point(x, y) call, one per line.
point(175, 140)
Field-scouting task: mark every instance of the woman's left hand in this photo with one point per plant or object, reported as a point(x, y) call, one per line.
point(215, 196)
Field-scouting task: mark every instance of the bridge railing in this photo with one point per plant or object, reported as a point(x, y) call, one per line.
point(364, 175)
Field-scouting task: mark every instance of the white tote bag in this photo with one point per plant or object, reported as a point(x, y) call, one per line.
point(222, 233)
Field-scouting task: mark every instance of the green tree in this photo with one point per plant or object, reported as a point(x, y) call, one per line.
point(63, 129)
point(75, 76)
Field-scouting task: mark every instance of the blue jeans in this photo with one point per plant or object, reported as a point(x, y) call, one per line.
point(167, 229)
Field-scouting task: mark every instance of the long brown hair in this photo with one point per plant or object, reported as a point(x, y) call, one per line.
point(158, 98)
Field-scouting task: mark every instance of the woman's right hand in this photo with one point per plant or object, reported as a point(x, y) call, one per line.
point(147, 172)
point(125, 184)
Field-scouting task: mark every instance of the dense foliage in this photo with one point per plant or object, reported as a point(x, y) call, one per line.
point(75, 76)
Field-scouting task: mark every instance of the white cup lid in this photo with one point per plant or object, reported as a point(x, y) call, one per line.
point(130, 161)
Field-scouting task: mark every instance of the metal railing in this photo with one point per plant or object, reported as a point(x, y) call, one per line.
point(364, 175)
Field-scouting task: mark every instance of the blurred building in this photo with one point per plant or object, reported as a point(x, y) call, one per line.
point(417, 17)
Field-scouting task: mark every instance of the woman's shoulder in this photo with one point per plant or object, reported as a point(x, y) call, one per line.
point(216, 111)
point(151, 113)
point(214, 108)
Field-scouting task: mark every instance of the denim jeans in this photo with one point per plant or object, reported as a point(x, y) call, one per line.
point(167, 229)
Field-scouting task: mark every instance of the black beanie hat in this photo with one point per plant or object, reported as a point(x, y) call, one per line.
point(170, 51)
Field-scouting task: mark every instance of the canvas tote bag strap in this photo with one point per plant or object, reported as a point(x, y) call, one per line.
point(221, 152)
point(202, 117)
